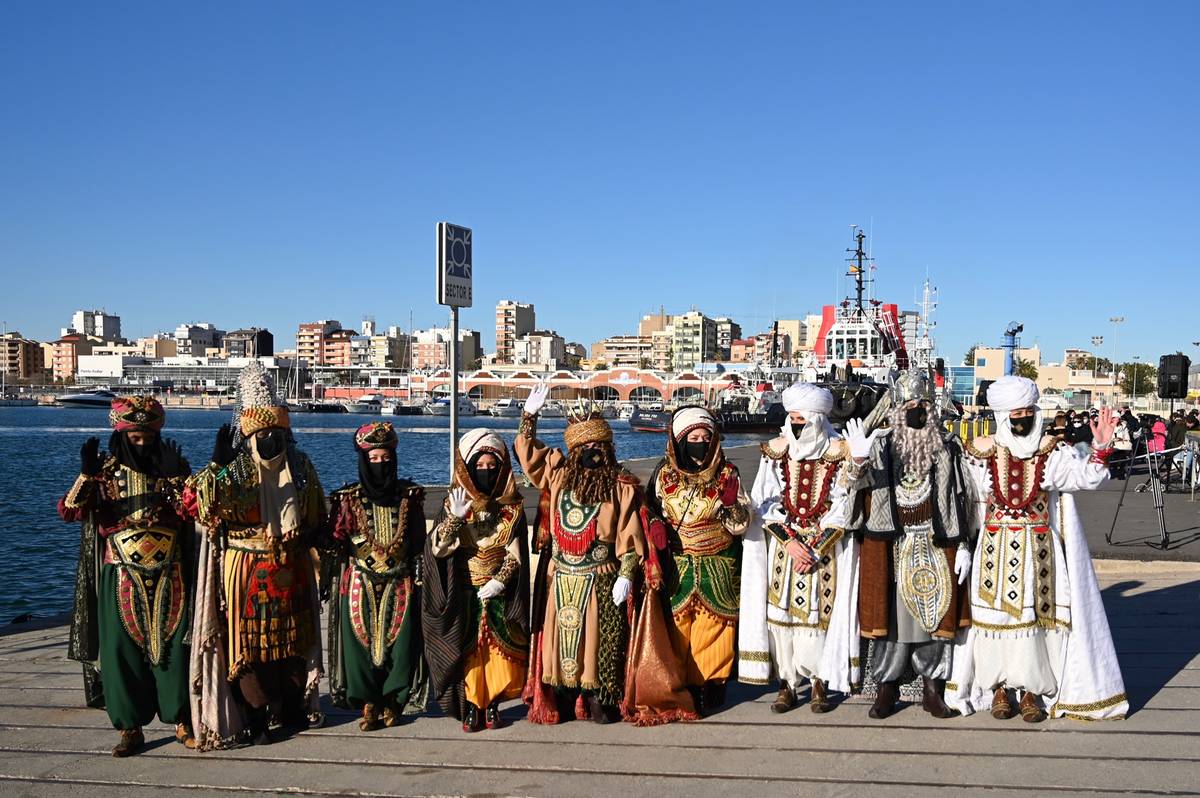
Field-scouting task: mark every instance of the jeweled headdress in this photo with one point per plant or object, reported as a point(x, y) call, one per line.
point(136, 413)
point(909, 385)
point(259, 407)
point(375, 435)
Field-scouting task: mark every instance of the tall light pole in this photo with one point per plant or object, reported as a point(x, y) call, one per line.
point(1116, 320)
point(1097, 342)
point(1136, 363)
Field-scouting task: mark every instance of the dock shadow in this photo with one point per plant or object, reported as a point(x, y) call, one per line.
point(1152, 648)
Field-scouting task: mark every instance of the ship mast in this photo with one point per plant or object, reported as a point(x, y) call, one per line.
point(858, 258)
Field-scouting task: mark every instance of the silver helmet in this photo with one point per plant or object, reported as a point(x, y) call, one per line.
point(912, 384)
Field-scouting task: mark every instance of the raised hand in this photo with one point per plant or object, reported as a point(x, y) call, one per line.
point(537, 398)
point(89, 458)
point(859, 441)
point(223, 451)
point(1103, 427)
point(460, 502)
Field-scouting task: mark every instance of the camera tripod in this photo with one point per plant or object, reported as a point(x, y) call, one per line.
point(1154, 462)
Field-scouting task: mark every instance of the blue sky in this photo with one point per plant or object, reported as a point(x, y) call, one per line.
point(276, 162)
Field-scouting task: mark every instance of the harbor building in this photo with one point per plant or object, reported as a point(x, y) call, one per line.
point(94, 323)
point(541, 348)
point(252, 342)
point(197, 338)
point(310, 340)
point(21, 359)
point(513, 320)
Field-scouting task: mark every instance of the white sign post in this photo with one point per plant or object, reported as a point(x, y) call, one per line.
point(454, 290)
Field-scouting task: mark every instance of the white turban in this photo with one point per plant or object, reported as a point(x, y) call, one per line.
point(1015, 393)
point(481, 440)
point(806, 398)
point(814, 403)
point(1012, 393)
point(690, 418)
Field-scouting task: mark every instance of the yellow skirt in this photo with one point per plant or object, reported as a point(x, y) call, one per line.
point(703, 643)
point(490, 676)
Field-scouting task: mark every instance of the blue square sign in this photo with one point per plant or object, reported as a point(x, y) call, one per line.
point(454, 265)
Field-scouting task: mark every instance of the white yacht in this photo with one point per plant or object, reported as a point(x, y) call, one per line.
point(441, 407)
point(94, 398)
point(367, 404)
point(507, 408)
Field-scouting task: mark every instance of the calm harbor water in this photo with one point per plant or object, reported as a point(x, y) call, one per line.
point(39, 459)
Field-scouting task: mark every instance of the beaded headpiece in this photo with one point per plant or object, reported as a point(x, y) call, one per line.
point(136, 413)
point(259, 407)
point(375, 435)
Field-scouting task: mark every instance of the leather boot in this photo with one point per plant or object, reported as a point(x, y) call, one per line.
point(785, 700)
point(131, 742)
point(472, 719)
point(603, 713)
point(1031, 708)
point(493, 718)
point(714, 694)
point(260, 727)
point(934, 701)
point(885, 700)
point(392, 715)
point(183, 734)
point(818, 700)
point(370, 718)
point(1002, 708)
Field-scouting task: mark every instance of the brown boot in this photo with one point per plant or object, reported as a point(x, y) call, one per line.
point(1031, 708)
point(1002, 708)
point(818, 700)
point(183, 734)
point(370, 718)
point(934, 700)
point(785, 700)
point(391, 715)
point(131, 742)
point(885, 700)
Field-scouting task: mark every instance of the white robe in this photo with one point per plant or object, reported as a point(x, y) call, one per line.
point(1075, 664)
point(792, 652)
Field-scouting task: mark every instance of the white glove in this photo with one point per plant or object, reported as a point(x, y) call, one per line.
point(537, 398)
point(493, 588)
point(460, 502)
point(859, 441)
point(962, 565)
point(621, 590)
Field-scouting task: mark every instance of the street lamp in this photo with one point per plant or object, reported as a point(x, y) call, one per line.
point(1116, 320)
point(1097, 342)
point(1136, 363)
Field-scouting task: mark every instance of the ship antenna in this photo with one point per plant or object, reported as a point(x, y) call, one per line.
point(857, 257)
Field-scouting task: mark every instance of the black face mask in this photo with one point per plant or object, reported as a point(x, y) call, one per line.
point(797, 430)
point(142, 458)
point(696, 450)
point(270, 444)
point(484, 479)
point(592, 458)
point(378, 480)
point(915, 417)
point(1021, 426)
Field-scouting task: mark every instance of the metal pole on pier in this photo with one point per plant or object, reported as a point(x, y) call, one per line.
point(454, 290)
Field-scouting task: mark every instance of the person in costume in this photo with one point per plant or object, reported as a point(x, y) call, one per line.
point(133, 584)
point(475, 608)
point(697, 496)
point(1037, 620)
point(257, 662)
point(597, 545)
point(372, 557)
point(799, 570)
point(909, 503)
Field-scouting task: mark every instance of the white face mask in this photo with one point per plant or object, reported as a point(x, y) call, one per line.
point(813, 440)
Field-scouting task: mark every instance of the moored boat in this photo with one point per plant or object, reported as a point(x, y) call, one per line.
point(93, 398)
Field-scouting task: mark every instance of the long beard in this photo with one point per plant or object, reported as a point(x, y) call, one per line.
point(916, 447)
point(591, 485)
